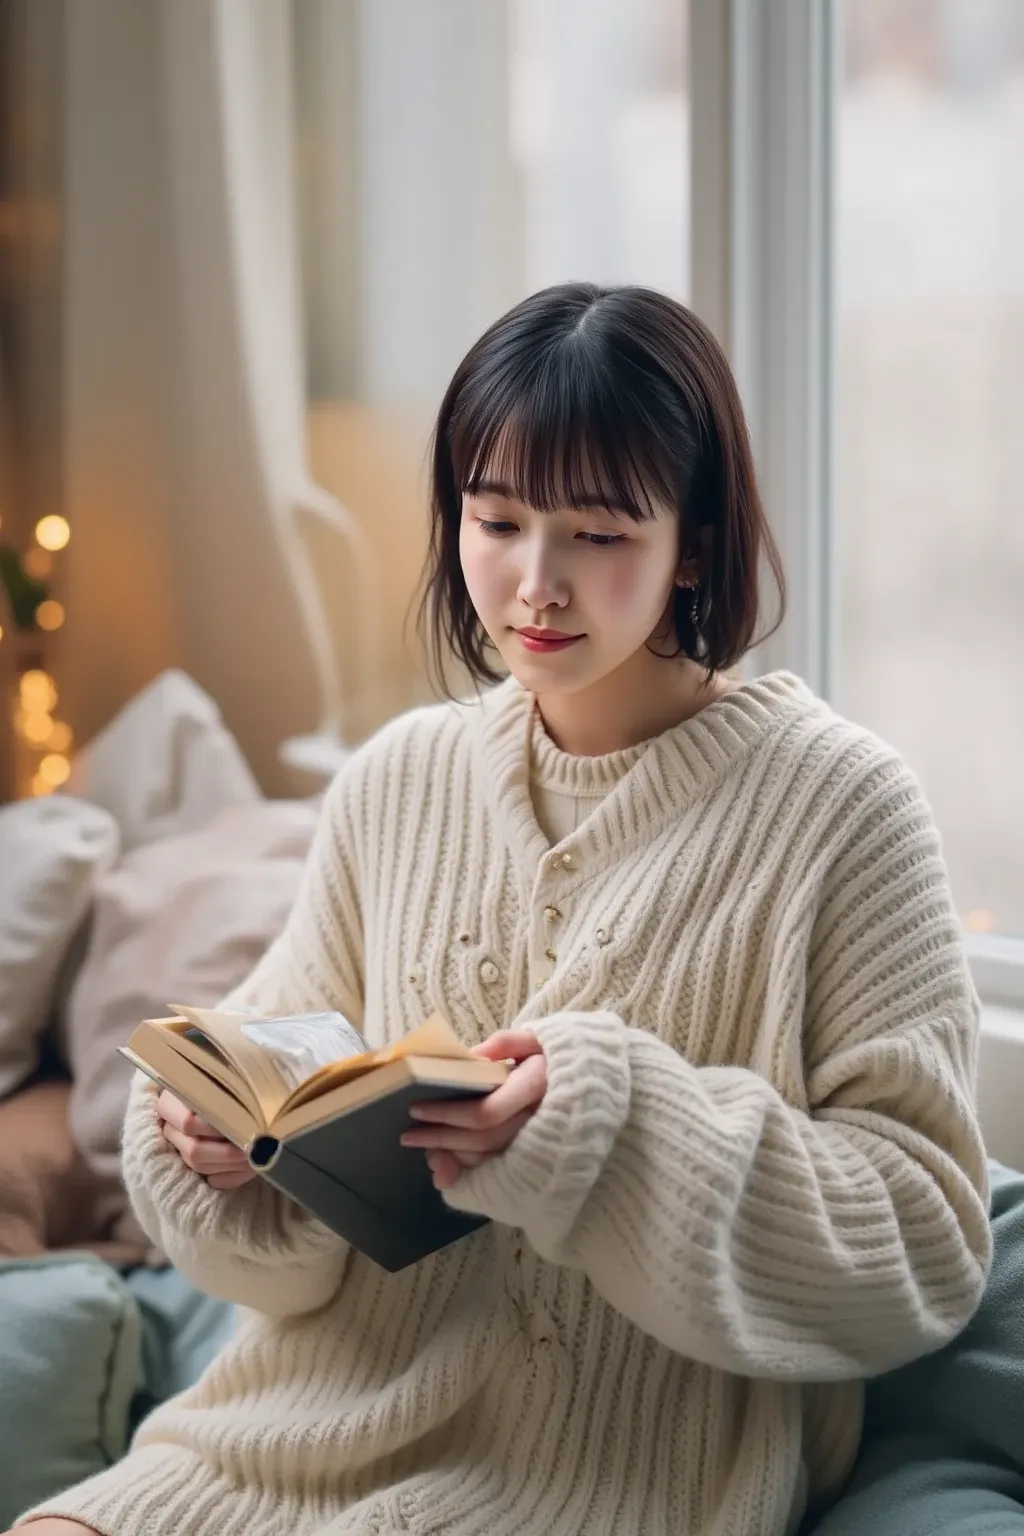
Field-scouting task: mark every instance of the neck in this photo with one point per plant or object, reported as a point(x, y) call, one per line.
point(644, 697)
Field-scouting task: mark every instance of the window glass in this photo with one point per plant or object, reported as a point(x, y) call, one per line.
point(930, 426)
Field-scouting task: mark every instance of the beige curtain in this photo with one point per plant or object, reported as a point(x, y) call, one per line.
point(191, 504)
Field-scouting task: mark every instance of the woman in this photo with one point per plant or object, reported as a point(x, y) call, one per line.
point(736, 1169)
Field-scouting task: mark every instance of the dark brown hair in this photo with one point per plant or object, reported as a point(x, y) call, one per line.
point(625, 391)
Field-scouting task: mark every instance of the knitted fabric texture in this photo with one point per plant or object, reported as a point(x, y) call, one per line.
point(756, 1176)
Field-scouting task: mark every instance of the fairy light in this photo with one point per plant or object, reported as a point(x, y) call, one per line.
point(37, 730)
point(38, 563)
point(52, 532)
point(50, 614)
point(55, 769)
point(38, 691)
point(43, 761)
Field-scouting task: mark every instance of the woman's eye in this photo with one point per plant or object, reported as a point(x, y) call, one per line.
point(604, 540)
point(496, 528)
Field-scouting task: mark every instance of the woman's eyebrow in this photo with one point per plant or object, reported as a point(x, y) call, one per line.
point(595, 503)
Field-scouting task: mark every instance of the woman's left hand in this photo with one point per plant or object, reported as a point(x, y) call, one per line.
point(458, 1134)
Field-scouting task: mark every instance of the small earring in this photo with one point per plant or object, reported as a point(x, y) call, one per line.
point(694, 587)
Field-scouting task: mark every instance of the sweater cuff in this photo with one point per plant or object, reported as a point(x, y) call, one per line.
point(541, 1182)
point(179, 1210)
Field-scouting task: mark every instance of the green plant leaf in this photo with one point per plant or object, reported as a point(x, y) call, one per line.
point(24, 593)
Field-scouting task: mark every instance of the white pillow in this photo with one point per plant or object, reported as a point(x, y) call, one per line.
point(52, 850)
point(166, 764)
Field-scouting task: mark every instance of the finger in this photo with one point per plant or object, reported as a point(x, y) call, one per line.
point(464, 1159)
point(525, 1086)
point(509, 1045)
point(171, 1109)
point(445, 1169)
point(450, 1138)
point(204, 1155)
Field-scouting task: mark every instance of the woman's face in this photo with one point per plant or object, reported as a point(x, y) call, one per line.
point(598, 585)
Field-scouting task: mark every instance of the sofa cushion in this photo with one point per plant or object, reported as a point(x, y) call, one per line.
point(973, 1390)
point(71, 1365)
point(928, 1485)
point(182, 919)
point(943, 1445)
point(48, 1196)
point(165, 764)
point(52, 851)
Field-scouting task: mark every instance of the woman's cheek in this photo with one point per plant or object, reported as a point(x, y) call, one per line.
point(623, 587)
point(481, 577)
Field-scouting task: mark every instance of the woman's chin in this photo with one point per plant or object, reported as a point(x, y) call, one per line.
point(543, 674)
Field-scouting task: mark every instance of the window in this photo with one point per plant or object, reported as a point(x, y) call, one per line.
point(929, 514)
point(599, 132)
point(452, 157)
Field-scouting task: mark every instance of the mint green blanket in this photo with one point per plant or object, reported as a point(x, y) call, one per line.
point(943, 1448)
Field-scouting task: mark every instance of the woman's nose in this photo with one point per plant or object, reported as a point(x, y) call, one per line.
point(542, 583)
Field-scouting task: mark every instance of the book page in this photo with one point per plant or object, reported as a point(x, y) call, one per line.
point(289, 1059)
point(272, 1067)
point(303, 1043)
point(435, 1038)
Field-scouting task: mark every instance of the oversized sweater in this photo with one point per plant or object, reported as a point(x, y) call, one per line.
point(755, 1178)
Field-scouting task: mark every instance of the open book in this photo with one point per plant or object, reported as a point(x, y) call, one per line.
point(319, 1115)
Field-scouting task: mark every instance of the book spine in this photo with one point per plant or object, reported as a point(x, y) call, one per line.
point(263, 1152)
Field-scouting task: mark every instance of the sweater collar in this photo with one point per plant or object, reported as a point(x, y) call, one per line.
point(663, 777)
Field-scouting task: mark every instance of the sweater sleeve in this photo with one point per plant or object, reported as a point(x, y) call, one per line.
point(253, 1245)
point(822, 1241)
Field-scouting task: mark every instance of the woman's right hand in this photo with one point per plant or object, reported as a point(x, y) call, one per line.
point(200, 1147)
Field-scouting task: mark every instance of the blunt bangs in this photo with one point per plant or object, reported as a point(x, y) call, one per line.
point(564, 430)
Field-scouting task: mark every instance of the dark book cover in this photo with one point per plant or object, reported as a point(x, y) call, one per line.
point(354, 1174)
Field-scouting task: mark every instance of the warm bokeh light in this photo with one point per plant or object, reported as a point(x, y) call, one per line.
point(38, 563)
point(1, 631)
point(38, 691)
point(60, 738)
point(980, 921)
point(52, 532)
point(39, 786)
point(55, 769)
point(50, 614)
point(37, 729)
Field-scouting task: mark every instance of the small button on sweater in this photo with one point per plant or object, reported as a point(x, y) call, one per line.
point(756, 1176)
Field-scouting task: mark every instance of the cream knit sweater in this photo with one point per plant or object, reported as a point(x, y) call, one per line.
point(756, 1176)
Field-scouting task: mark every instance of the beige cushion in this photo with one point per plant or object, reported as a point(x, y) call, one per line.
point(48, 1196)
point(52, 851)
point(165, 764)
point(179, 920)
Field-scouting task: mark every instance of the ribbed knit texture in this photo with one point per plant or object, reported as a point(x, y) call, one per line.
point(756, 1176)
point(561, 795)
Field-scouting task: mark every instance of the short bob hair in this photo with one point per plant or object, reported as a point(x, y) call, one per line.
point(618, 392)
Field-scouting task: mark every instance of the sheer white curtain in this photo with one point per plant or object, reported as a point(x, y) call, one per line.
point(187, 482)
point(454, 156)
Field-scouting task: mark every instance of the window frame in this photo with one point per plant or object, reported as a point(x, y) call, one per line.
point(764, 103)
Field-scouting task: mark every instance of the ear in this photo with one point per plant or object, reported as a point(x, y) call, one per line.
point(688, 574)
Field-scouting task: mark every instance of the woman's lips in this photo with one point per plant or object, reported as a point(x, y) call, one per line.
point(538, 640)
